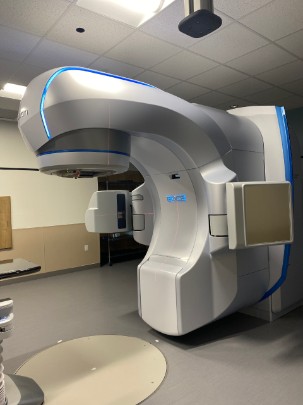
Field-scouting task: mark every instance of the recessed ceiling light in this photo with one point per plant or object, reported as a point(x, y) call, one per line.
point(131, 12)
point(11, 90)
point(14, 88)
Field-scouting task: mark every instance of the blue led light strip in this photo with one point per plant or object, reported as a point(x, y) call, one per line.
point(116, 152)
point(65, 69)
point(288, 177)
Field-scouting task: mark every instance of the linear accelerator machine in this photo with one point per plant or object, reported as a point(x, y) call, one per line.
point(216, 208)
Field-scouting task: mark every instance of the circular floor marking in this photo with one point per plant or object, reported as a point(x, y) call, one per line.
point(97, 370)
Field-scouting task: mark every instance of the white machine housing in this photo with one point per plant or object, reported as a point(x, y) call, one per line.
point(111, 209)
point(83, 123)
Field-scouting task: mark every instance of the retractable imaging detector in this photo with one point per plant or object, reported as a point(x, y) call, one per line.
point(216, 208)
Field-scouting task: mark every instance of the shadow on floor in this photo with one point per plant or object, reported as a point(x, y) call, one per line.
point(285, 334)
point(232, 325)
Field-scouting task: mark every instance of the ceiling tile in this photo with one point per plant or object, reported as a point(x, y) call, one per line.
point(142, 50)
point(213, 99)
point(100, 34)
point(187, 91)
point(239, 8)
point(33, 16)
point(229, 43)
point(270, 20)
point(293, 102)
point(283, 74)
point(15, 45)
point(294, 86)
point(115, 67)
point(218, 77)
point(245, 87)
point(184, 65)
point(272, 96)
point(7, 69)
point(50, 54)
point(293, 43)
point(261, 60)
point(26, 73)
point(165, 25)
point(159, 47)
point(156, 79)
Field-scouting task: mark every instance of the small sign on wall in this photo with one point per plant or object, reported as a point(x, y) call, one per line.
point(5, 223)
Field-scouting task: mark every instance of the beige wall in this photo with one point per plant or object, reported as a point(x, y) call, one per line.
point(38, 200)
point(64, 247)
point(47, 211)
point(55, 248)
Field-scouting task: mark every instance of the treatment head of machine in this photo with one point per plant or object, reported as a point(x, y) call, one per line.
point(65, 118)
point(85, 153)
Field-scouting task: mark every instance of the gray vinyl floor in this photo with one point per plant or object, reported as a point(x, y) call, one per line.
point(238, 360)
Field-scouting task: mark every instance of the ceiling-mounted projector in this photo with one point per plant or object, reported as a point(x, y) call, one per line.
point(200, 18)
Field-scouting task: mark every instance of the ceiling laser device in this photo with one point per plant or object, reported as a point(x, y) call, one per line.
point(200, 19)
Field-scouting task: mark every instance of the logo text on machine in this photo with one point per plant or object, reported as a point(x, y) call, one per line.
point(176, 198)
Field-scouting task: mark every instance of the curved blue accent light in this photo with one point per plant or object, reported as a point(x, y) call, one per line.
point(116, 152)
point(43, 101)
point(288, 177)
point(65, 69)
